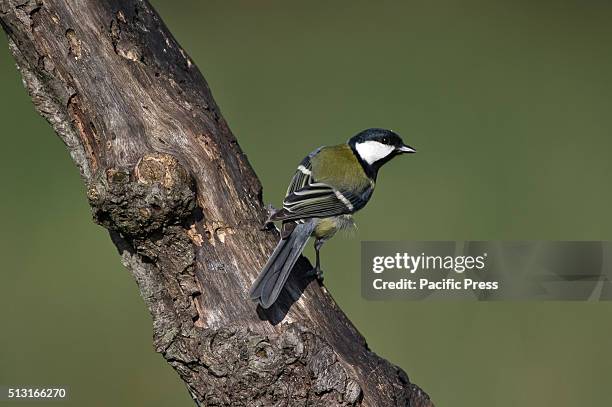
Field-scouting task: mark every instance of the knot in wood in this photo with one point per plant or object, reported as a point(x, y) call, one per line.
point(159, 192)
point(161, 168)
point(238, 367)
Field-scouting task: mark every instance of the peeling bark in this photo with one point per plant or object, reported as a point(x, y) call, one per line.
point(166, 177)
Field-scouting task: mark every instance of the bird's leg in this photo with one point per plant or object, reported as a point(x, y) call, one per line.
point(317, 272)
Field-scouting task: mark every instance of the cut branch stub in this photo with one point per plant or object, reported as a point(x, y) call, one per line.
point(157, 193)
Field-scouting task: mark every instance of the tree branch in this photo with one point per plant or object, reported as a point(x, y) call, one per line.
point(166, 177)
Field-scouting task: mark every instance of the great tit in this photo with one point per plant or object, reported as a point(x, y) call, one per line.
point(330, 184)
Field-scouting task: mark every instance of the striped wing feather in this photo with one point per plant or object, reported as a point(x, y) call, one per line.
point(307, 198)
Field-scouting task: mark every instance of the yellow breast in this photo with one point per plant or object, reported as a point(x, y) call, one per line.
point(327, 227)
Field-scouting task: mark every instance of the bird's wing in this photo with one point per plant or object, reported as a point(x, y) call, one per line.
point(303, 174)
point(318, 200)
point(307, 198)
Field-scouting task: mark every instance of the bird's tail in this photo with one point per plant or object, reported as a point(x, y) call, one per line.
point(274, 275)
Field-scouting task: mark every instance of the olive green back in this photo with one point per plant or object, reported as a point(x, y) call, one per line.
point(338, 167)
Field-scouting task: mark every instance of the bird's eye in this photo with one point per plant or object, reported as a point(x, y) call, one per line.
point(385, 140)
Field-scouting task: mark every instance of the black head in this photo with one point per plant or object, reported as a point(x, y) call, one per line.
point(375, 147)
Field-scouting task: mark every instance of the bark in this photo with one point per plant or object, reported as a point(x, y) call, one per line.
point(167, 178)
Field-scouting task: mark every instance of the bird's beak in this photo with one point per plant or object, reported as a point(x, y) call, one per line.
point(406, 149)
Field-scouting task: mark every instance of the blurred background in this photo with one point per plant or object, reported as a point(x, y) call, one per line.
point(509, 104)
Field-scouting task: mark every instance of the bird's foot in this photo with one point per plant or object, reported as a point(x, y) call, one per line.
point(269, 225)
point(271, 209)
point(317, 273)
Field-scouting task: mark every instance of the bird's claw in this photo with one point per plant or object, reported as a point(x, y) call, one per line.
point(316, 273)
point(268, 224)
point(271, 210)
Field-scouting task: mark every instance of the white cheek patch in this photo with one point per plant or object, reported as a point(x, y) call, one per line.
point(371, 151)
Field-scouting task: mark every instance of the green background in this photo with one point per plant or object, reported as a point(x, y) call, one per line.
point(509, 104)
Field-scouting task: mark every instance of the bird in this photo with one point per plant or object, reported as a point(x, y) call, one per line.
point(328, 187)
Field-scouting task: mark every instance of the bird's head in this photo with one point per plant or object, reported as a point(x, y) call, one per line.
point(375, 147)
